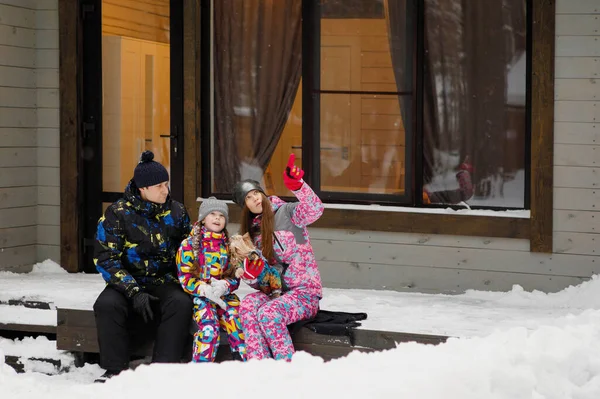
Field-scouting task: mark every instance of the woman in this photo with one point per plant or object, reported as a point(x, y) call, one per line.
point(278, 229)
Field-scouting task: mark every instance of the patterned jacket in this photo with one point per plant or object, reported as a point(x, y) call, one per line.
point(210, 260)
point(292, 242)
point(136, 241)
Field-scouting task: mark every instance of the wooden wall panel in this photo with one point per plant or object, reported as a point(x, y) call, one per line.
point(13, 177)
point(18, 236)
point(577, 111)
point(577, 67)
point(10, 137)
point(431, 280)
point(11, 76)
point(577, 133)
point(542, 124)
point(580, 199)
point(577, 7)
point(578, 89)
point(577, 221)
point(576, 177)
point(577, 46)
point(69, 39)
point(147, 20)
point(577, 155)
point(13, 197)
point(191, 104)
point(581, 24)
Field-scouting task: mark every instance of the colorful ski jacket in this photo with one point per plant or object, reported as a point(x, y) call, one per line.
point(291, 243)
point(209, 260)
point(136, 241)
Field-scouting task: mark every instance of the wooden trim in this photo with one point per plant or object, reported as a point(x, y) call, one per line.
point(191, 49)
point(69, 36)
point(30, 328)
point(418, 223)
point(542, 124)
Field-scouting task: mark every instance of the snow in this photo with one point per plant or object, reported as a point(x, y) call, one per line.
point(504, 193)
point(514, 344)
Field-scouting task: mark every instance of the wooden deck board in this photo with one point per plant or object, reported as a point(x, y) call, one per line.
point(76, 331)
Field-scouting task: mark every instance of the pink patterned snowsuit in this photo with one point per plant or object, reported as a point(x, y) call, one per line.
point(264, 319)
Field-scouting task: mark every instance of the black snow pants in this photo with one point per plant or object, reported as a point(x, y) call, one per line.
point(121, 330)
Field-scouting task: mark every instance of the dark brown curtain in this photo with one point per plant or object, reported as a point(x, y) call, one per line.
point(399, 18)
point(257, 70)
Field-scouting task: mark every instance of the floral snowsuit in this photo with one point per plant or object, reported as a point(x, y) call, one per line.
point(196, 268)
point(264, 319)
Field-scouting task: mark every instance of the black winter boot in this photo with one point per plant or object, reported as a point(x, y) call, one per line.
point(108, 374)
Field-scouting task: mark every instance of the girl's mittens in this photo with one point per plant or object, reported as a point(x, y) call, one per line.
point(208, 292)
point(220, 287)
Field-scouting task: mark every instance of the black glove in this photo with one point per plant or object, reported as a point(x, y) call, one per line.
point(141, 304)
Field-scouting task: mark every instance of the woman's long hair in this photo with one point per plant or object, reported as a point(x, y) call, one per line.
point(267, 227)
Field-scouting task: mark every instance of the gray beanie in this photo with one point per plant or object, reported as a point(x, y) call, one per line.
point(212, 204)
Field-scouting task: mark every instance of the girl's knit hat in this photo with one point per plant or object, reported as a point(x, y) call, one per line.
point(213, 204)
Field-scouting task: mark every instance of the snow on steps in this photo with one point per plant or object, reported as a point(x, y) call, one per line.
point(35, 354)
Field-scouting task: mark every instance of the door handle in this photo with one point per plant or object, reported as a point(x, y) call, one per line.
point(173, 137)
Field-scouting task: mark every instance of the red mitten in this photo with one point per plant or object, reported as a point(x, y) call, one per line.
point(253, 268)
point(466, 165)
point(292, 177)
point(464, 179)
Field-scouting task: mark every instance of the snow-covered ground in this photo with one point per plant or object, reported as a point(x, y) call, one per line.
point(515, 344)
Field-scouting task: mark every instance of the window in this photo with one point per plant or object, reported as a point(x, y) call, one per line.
point(382, 101)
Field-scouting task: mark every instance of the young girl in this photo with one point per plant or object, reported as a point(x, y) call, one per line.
point(278, 230)
point(204, 272)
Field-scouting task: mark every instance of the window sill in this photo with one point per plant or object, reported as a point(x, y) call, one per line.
point(477, 223)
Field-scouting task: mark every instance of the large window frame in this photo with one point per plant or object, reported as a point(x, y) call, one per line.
point(312, 92)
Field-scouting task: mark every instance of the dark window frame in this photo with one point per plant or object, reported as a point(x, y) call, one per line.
point(414, 138)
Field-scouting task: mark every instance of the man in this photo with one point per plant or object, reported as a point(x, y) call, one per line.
point(136, 243)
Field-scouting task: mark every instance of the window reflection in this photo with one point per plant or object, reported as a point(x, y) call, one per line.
point(474, 101)
point(136, 87)
point(363, 135)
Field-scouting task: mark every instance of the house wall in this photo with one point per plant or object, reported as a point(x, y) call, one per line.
point(29, 137)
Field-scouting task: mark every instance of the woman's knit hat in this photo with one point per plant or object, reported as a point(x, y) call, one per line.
point(148, 172)
point(212, 204)
point(242, 188)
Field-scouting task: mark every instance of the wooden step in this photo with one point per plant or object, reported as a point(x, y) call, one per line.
point(76, 331)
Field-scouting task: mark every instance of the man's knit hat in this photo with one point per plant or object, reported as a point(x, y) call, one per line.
point(148, 172)
point(212, 204)
point(242, 188)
